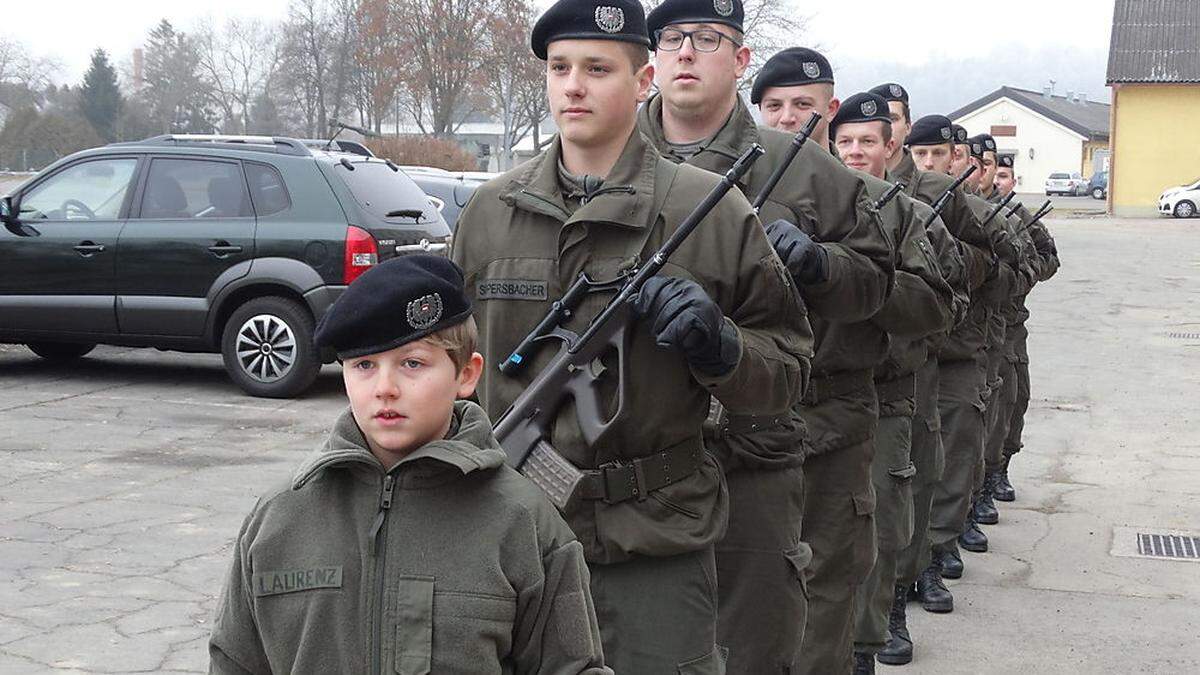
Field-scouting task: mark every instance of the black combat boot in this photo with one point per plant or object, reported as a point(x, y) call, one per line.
point(952, 564)
point(899, 648)
point(931, 590)
point(985, 508)
point(973, 539)
point(864, 664)
point(1003, 489)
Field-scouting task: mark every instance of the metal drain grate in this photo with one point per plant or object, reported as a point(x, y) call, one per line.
point(1168, 546)
point(1184, 336)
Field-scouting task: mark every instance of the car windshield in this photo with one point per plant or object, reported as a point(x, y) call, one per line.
point(380, 190)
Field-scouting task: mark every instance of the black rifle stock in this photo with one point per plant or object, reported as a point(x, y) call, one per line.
point(944, 200)
point(793, 150)
point(575, 373)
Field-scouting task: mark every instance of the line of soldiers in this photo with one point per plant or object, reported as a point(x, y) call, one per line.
point(822, 394)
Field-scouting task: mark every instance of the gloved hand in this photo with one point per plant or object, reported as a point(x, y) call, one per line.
point(805, 259)
point(681, 315)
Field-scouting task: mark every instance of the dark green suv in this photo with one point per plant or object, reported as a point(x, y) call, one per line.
point(225, 244)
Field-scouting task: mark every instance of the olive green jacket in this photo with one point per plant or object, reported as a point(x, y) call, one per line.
point(449, 562)
point(520, 249)
point(923, 303)
point(830, 203)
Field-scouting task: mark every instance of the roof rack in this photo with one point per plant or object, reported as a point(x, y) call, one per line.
point(281, 145)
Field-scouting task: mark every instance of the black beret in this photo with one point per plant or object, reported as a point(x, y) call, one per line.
point(790, 67)
point(930, 130)
point(1006, 161)
point(621, 20)
point(989, 143)
point(960, 134)
point(977, 146)
point(394, 303)
point(892, 92)
point(864, 107)
point(728, 12)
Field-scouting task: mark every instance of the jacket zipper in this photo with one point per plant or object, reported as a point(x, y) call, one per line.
point(379, 552)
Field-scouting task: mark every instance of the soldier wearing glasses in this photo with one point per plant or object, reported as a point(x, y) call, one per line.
point(813, 464)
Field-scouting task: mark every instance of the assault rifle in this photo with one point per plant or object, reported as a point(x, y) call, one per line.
point(575, 372)
point(940, 205)
point(889, 195)
point(794, 149)
point(998, 208)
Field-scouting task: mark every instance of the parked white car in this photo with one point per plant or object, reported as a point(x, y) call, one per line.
point(1181, 201)
point(1069, 184)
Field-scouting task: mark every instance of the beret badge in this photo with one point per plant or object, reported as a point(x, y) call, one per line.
point(610, 19)
point(425, 311)
point(897, 91)
point(723, 7)
point(946, 133)
point(811, 69)
point(869, 108)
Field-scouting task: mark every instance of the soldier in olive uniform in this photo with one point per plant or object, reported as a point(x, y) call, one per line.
point(922, 304)
point(723, 321)
point(1016, 396)
point(843, 263)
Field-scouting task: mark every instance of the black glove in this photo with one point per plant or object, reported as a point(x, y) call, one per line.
point(681, 315)
point(805, 259)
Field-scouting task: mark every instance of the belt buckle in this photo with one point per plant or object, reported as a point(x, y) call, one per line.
point(636, 482)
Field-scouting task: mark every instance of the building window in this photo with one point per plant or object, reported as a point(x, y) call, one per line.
point(1004, 130)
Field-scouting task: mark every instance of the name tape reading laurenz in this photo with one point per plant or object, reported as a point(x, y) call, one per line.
point(291, 581)
point(513, 289)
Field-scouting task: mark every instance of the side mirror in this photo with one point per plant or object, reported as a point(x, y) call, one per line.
point(8, 215)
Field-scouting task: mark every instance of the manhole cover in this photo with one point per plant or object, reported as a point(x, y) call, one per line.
point(1184, 336)
point(1143, 542)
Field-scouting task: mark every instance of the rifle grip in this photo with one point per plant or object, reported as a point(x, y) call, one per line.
point(585, 389)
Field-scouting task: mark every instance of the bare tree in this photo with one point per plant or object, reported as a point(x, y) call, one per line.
point(23, 77)
point(237, 62)
point(514, 78)
point(377, 60)
point(446, 49)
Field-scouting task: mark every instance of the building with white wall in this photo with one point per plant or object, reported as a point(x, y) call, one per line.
point(1047, 133)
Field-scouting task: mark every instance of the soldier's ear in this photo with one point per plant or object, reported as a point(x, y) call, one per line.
point(741, 61)
point(645, 80)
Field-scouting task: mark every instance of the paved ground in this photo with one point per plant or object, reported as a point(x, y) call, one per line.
point(126, 476)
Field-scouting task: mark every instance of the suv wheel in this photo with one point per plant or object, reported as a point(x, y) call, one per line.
point(60, 351)
point(1097, 193)
point(268, 348)
point(1185, 209)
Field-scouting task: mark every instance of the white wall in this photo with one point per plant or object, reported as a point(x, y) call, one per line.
point(1055, 147)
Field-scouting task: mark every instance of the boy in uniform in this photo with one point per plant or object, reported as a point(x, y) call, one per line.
point(405, 545)
point(723, 320)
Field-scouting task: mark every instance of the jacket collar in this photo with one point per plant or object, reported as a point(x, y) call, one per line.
point(470, 447)
point(722, 150)
point(906, 169)
point(626, 199)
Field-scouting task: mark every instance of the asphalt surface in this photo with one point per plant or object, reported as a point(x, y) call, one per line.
point(127, 474)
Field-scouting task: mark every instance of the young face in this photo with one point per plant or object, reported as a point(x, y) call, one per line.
point(988, 178)
point(900, 125)
point(403, 398)
point(975, 180)
point(961, 159)
point(935, 158)
point(1006, 180)
point(593, 90)
point(861, 146)
point(693, 80)
point(790, 108)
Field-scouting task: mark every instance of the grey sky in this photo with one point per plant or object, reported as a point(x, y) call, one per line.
point(1022, 43)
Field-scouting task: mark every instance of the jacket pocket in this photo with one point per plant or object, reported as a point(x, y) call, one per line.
point(712, 663)
point(414, 626)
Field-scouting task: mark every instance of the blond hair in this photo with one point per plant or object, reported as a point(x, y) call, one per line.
point(460, 341)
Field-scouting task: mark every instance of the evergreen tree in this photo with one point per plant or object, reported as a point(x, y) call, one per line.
point(100, 98)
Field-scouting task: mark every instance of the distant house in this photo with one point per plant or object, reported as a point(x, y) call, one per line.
point(1046, 132)
point(1154, 72)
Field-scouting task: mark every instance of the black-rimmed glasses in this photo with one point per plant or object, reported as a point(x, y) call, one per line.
point(704, 40)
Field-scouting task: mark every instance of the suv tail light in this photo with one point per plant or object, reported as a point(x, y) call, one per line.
point(361, 253)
